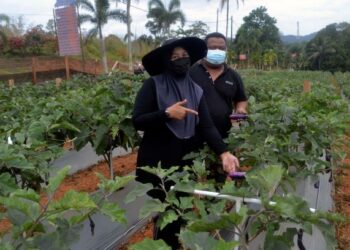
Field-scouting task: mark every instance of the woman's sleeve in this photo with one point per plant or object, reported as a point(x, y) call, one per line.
point(146, 114)
point(208, 129)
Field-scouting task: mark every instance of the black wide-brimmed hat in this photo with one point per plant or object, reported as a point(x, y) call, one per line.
point(154, 60)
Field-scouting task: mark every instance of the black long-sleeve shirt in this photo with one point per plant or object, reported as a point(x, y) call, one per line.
point(159, 144)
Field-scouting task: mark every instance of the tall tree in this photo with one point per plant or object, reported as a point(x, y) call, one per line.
point(3, 38)
point(319, 49)
point(128, 16)
point(17, 26)
point(329, 49)
point(270, 58)
point(50, 26)
point(258, 33)
point(129, 34)
point(100, 14)
point(162, 18)
point(4, 19)
point(4, 22)
point(198, 29)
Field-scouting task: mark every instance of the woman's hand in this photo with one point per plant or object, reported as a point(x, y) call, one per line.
point(230, 162)
point(177, 111)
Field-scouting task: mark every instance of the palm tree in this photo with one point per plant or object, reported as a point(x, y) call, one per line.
point(319, 49)
point(77, 5)
point(129, 35)
point(227, 3)
point(4, 19)
point(3, 36)
point(247, 43)
point(164, 17)
point(270, 58)
point(100, 14)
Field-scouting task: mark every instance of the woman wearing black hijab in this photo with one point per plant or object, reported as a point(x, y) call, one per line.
point(172, 112)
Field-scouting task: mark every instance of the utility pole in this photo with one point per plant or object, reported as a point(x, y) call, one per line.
point(227, 16)
point(298, 31)
point(217, 20)
point(128, 5)
point(56, 35)
point(231, 29)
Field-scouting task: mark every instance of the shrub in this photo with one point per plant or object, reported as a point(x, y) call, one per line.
point(16, 45)
point(35, 40)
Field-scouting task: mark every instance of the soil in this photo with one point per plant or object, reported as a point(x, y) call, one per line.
point(86, 180)
point(145, 232)
point(342, 201)
point(5, 225)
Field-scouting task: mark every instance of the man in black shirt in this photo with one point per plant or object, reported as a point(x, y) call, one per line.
point(223, 87)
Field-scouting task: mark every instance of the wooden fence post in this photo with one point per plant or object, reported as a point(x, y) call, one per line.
point(58, 82)
point(11, 83)
point(66, 63)
point(307, 86)
point(34, 70)
point(68, 144)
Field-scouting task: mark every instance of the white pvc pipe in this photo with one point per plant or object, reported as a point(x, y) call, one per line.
point(238, 205)
point(114, 65)
point(236, 235)
point(9, 140)
point(234, 198)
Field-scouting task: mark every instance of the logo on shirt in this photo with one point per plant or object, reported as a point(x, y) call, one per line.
point(229, 83)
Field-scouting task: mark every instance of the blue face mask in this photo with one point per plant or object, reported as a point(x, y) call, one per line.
point(216, 56)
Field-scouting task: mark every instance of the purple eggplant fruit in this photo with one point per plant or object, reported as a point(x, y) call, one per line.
point(238, 117)
point(237, 175)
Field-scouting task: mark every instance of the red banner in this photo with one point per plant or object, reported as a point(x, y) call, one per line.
point(242, 57)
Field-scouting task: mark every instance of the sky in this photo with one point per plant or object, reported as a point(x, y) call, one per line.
point(312, 15)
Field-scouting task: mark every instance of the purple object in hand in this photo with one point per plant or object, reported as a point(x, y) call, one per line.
point(237, 117)
point(237, 175)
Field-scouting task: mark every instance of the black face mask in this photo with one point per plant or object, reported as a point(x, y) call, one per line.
point(180, 66)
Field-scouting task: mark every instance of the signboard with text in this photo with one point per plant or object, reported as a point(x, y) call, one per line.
point(67, 29)
point(61, 3)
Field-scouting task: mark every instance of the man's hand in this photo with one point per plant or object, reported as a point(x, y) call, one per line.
point(178, 111)
point(241, 107)
point(230, 162)
point(241, 111)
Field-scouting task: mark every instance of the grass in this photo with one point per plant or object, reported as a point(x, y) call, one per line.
point(16, 70)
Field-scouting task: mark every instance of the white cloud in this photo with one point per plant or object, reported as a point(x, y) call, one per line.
point(313, 15)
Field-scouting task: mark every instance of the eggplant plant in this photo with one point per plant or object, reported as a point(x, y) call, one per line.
point(282, 142)
point(39, 119)
point(55, 223)
point(105, 117)
point(205, 218)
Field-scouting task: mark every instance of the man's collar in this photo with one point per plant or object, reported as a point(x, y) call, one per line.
point(201, 63)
